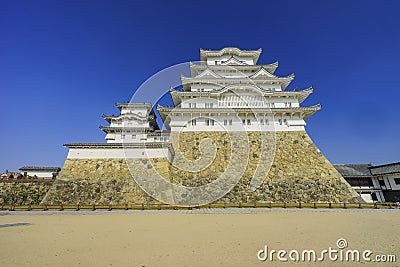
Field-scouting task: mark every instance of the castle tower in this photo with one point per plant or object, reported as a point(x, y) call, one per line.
point(229, 92)
point(226, 93)
point(133, 124)
point(229, 80)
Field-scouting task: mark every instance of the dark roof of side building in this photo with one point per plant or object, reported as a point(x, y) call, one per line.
point(353, 170)
point(40, 168)
point(386, 168)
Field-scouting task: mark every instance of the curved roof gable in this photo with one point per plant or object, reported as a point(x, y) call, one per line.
point(233, 61)
point(239, 88)
point(208, 73)
point(230, 51)
point(262, 73)
point(129, 115)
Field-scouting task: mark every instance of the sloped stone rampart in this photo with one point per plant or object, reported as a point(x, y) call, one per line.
point(299, 172)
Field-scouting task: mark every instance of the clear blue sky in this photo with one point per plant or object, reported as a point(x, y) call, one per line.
point(65, 63)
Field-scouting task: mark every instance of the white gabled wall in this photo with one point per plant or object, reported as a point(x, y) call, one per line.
point(231, 122)
point(39, 174)
point(232, 100)
point(118, 153)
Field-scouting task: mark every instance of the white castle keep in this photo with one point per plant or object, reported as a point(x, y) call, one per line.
point(226, 91)
point(234, 134)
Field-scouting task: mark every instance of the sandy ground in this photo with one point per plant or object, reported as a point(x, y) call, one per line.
point(179, 239)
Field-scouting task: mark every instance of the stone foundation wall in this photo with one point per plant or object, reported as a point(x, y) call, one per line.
point(102, 182)
point(23, 193)
point(299, 172)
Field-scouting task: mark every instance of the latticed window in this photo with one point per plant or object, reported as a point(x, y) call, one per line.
point(209, 122)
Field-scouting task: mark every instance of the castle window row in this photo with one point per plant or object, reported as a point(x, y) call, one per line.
point(244, 121)
point(242, 104)
point(271, 89)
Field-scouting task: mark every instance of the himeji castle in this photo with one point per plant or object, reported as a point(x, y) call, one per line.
point(227, 91)
point(233, 93)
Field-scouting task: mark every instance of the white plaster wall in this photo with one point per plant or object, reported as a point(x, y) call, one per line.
point(215, 86)
point(379, 195)
point(232, 71)
point(206, 87)
point(375, 182)
point(142, 111)
point(182, 122)
point(235, 99)
point(389, 181)
point(134, 138)
point(280, 102)
point(39, 174)
point(130, 123)
point(131, 137)
point(367, 197)
point(118, 153)
point(200, 102)
point(212, 60)
point(271, 87)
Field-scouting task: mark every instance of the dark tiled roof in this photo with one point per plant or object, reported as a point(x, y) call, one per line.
point(353, 170)
point(386, 168)
point(40, 168)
